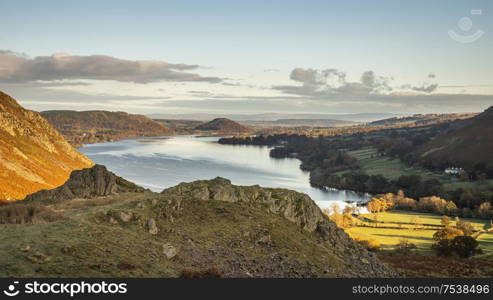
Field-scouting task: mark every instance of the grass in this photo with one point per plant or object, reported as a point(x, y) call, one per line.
point(392, 169)
point(206, 234)
point(420, 235)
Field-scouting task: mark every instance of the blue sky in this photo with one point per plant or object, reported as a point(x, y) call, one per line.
point(247, 57)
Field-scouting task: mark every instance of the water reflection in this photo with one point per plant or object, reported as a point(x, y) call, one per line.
point(158, 163)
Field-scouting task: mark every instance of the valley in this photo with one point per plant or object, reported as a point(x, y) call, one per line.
point(165, 189)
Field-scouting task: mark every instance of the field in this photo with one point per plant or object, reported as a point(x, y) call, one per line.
point(415, 227)
point(391, 168)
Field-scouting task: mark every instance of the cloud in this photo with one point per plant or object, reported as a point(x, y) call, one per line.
point(18, 68)
point(330, 82)
point(426, 87)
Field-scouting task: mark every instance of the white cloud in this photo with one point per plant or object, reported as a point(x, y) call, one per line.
point(17, 68)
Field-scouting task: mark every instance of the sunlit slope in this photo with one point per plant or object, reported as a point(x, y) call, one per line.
point(33, 155)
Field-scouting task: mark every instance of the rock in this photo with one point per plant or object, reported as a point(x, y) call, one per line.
point(169, 250)
point(39, 258)
point(265, 240)
point(87, 183)
point(125, 216)
point(297, 208)
point(27, 248)
point(152, 227)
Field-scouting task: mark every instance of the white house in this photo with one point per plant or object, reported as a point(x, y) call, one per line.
point(454, 171)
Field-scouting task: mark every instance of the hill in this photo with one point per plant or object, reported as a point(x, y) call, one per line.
point(468, 144)
point(420, 119)
point(85, 127)
point(223, 125)
point(202, 228)
point(33, 155)
point(180, 126)
point(301, 123)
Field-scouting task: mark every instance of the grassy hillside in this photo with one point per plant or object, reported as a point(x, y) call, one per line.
point(33, 155)
point(469, 146)
point(84, 127)
point(418, 232)
point(211, 225)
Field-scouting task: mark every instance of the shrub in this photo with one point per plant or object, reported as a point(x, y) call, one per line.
point(27, 214)
point(465, 246)
point(405, 246)
point(465, 227)
point(447, 233)
point(442, 247)
point(370, 245)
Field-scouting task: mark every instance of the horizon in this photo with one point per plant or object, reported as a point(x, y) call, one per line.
point(249, 58)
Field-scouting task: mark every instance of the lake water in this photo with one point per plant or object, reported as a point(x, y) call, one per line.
point(162, 162)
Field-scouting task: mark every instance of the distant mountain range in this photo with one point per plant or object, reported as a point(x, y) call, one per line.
point(357, 117)
point(300, 123)
point(85, 127)
point(33, 155)
point(422, 119)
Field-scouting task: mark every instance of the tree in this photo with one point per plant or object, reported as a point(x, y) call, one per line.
point(445, 221)
point(443, 238)
point(447, 233)
point(465, 246)
point(466, 198)
point(405, 246)
point(464, 226)
point(484, 210)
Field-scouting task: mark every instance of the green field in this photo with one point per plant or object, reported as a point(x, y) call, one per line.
point(417, 234)
point(391, 168)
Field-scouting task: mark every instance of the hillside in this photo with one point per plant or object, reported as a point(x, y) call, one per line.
point(180, 126)
point(468, 146)
point(33, 155)
point(223, 125)
point(421, 119)
point(85, 127)
point(209, 227)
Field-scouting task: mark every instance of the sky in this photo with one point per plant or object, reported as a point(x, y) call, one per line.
point(248, 57)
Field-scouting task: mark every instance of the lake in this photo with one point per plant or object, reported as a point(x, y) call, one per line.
point(161, 162)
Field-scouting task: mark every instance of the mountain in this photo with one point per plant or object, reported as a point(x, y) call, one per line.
point(223, 125)
point(358, 117)
point(33, 155)
point(301, 123)
point(85, 127)
point(180, 126)
point(422, 119)
point(468, 144)
point(202, 228)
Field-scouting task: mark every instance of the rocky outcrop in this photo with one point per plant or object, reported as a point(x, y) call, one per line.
point(296, 207)
point(33, 155)
point(88, 183)
point(237, 230)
